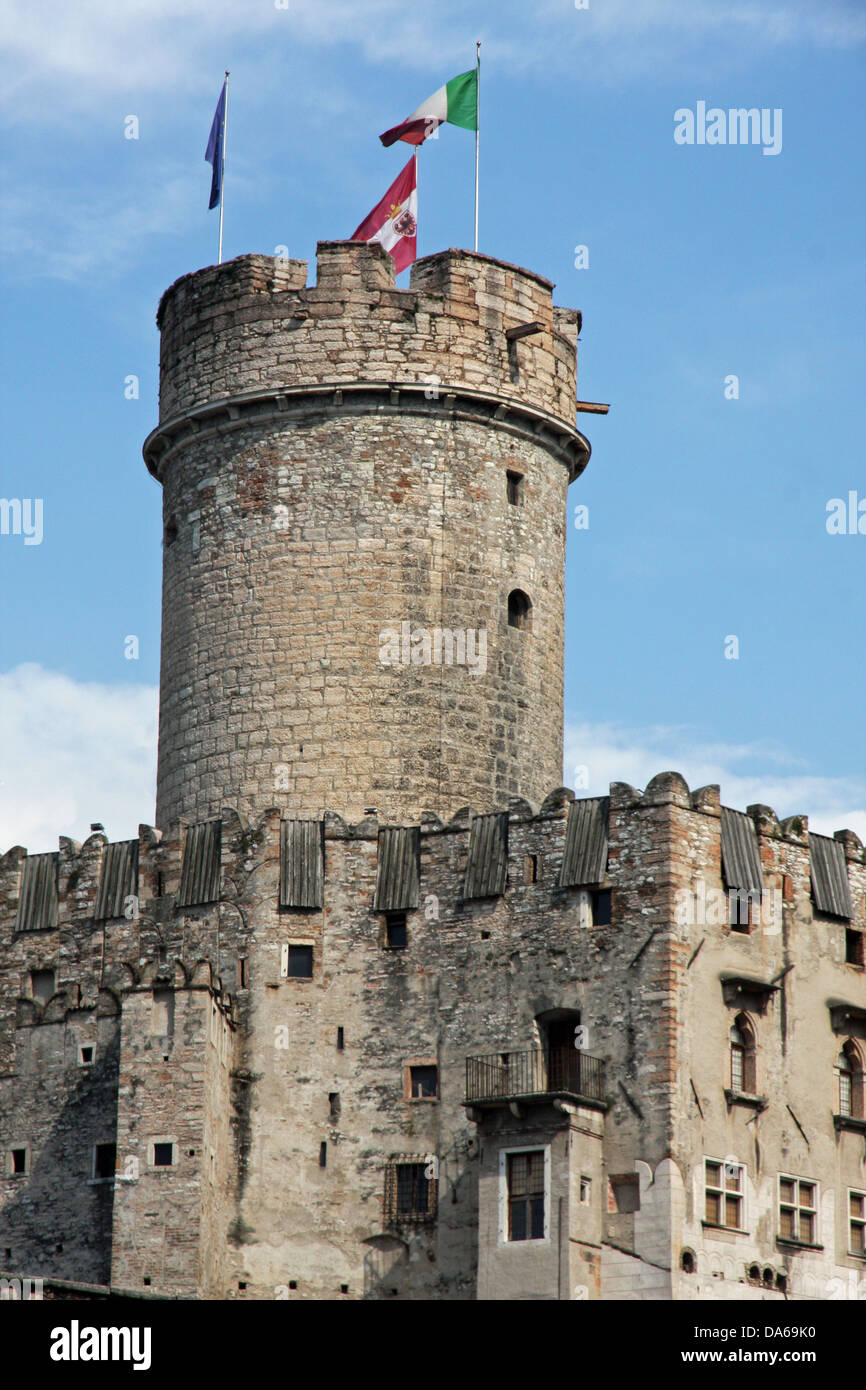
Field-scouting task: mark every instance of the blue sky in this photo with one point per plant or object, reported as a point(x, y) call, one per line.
point(707, 515)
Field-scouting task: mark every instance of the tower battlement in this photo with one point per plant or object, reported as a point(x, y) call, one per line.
point(157, 908)
point(251, 326)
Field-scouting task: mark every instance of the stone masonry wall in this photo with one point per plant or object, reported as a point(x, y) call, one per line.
point(256, 1084)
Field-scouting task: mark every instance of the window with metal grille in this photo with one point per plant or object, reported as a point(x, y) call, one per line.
point(723, 1194)
point(798, 1210)
point(410, 1191)
point(526, 1195)
point(857, 1222)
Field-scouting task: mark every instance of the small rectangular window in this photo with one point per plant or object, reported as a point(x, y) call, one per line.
point(585, 1191)
point(530, 868)
point(300, 962)
point(163, 1155)
point(323, 1154)
point(601, 908)
point(525, 1179)
point(85, 1056)
point(853, 947)
point(396, 935)
point(242, 972)
point(19, 1162)
point(744, 909)
point(104, 1160)
point(515, 487)
point(341, 1039)
point(424, 1082)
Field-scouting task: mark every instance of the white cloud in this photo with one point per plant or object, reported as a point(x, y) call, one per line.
point(76, 752)
point(80, 53)
point(747, 773)
point(73, 752)
point(70, 239)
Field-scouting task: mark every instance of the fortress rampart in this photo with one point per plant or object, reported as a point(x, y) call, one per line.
point(248, 1114)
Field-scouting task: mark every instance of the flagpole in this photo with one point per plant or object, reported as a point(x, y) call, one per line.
point(223, 161)
point(417, 205)
point(477, 127)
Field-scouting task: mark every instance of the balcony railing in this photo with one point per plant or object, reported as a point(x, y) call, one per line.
point(504, 1076)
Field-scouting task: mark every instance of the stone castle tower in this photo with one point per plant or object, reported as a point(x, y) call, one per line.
point(379, 1009)
point(337, 462)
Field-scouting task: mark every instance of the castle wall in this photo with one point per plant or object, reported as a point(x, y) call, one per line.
point(259, 1084)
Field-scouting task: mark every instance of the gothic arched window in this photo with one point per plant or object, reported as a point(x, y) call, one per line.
point(743, 1056)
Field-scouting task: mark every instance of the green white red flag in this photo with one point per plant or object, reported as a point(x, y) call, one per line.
point(456, 103)
point(394, 221)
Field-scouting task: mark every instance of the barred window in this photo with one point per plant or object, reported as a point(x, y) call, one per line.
point(798, 1210)
point(526, 1195)
point(410, 1191)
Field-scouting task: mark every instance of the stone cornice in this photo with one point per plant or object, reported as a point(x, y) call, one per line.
point(398, 398)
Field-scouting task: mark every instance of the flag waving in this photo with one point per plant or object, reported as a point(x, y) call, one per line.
point(214, 152)
point(394, 221)
point(456, 103)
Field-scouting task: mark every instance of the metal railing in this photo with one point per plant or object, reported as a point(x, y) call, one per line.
point(506, 1075)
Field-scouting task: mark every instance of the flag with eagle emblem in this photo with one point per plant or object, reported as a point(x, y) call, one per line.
point(394, 221)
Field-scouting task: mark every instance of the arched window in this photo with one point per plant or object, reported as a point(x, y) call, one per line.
point(850, 1069)
point(743, 1056)
point(519, 609)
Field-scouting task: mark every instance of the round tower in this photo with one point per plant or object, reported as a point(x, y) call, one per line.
point(364, 534)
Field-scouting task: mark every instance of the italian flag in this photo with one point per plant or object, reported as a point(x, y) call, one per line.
point(456, 103)
point(394, 221)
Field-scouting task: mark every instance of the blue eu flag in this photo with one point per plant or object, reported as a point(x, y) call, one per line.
point(214, 152)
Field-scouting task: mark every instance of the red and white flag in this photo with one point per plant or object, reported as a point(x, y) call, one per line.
point(394, 221)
